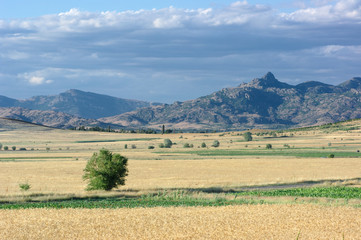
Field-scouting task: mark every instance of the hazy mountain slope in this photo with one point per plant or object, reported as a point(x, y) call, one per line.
point(78, 103)
point(47, 118)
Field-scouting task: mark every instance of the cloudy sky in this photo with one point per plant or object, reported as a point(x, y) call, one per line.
point(166, 51)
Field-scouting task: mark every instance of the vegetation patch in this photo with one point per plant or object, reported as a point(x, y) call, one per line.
point(117, 140)
point(283, 152)
point(145, 201)
point(327, 192)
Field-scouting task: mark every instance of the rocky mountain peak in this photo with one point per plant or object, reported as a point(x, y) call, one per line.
point(352, 83)
point(267, 81)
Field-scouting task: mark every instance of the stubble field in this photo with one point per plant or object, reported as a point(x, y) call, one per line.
point(54, 160)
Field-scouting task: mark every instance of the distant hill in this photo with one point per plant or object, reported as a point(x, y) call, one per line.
point(262, 103)
point(48, 118)
point(78, 103)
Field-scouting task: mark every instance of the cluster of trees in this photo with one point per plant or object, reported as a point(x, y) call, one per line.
point(6, 148)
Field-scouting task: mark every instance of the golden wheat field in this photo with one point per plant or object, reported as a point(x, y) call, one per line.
point(231, 222)
point(54, 160)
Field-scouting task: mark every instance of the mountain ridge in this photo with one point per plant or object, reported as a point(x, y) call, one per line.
point(78, 103)
point(263, 103)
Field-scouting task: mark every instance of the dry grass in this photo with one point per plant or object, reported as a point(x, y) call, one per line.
point(231, 222)
point(66, 177)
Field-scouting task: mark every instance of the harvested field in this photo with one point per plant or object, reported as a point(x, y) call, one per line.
point(65, 177)
point(231, 222)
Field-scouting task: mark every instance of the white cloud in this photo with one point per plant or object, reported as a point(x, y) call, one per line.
point(38, 80)
point(325, 11)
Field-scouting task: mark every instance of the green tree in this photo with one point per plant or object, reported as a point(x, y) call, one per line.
point(13, 148)
point(203, 145)
point(167, 143)
point(6, 148)
point(105, 170)
point(247, 136)
point(215, 143)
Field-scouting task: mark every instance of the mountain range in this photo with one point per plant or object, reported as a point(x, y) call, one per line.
point(262, 103)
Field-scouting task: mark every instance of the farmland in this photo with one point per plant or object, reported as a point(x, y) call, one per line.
point(199, 185)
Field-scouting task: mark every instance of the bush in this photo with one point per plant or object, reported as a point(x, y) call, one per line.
point(133, 146)
point(203, 145)
point(22, 149)
point(6, 148)
point(125, 146)
point(167, 143)
point(150, 147)
point(13, 148)
point(331, 155)
point(247, 136)
point(186, 145)
point(105, 170)
point(24, 186)
point(268, 146)
point(215, 143)
point(161, 145)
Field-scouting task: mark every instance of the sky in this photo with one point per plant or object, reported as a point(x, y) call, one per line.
point(166, 51)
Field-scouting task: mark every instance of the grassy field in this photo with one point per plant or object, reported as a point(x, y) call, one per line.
point(295, 176)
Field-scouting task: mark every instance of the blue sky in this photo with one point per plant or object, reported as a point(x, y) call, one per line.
point(167, 51)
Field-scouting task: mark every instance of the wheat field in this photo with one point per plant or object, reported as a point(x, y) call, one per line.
point(231, 222)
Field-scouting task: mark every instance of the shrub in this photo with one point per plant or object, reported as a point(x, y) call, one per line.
point(13, 148)
point(150, 147)
point(268, 146)
point(105, 170)
point(247, 136)
point(161, 145)
point(215, 143)
point(191, 145)
point(22, 149)
point(1, 146)
point(331, 155)
point(24, 186)
point(125, 146)
point(6, 148)
point(203, 145)
point(186, 145)
point(133, 146)
point(167, 143)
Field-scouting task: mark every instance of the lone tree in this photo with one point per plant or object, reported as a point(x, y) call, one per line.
point(105, 171)
point(247, 136)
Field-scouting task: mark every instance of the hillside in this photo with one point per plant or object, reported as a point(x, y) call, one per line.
point(77, 103)
point(262, 103)
point(48, 118)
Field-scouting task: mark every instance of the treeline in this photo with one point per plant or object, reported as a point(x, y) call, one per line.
point(145, 131)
